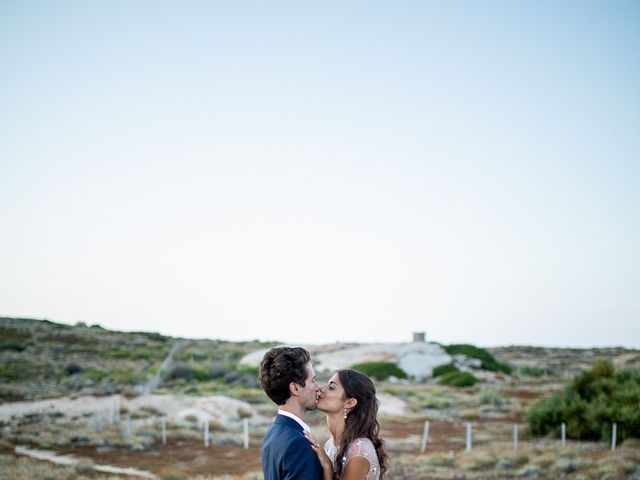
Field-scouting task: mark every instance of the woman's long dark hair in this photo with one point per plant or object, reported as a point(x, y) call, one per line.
point(362, 420)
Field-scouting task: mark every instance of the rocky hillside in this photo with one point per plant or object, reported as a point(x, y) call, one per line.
point(43, 359)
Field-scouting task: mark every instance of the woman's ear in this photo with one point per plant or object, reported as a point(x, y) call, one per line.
point(350, 403)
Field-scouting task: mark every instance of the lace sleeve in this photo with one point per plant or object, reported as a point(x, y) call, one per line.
point(362, 447)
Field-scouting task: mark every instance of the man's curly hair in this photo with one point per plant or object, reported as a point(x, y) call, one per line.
point(279, 367)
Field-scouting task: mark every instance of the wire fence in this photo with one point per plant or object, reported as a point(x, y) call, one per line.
point(467, 435)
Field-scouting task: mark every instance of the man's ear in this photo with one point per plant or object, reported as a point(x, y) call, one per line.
point(294, 389)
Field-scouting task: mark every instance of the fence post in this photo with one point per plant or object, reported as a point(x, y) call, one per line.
point(614, 431)
point(117, 409)
point(206, 433)
point(164, 430)
point(425, 437)
point(515, 436)
point(245, 425)
point(468, 448)
point(563, 433)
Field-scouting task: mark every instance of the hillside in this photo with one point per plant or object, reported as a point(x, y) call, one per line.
point(43, 359)
point(103, 396)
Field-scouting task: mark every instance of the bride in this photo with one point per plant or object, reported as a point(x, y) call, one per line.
point(350, 405)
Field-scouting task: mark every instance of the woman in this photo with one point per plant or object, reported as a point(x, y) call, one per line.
point(350, 405)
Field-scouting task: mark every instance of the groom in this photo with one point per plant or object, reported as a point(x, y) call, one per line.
point(287, 377)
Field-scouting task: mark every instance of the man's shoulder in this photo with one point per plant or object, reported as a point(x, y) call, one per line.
point(282, 421)
point(284, 426)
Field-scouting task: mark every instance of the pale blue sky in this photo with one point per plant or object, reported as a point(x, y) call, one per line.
point(307, 173)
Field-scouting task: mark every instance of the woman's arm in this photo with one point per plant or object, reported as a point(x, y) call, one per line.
point(325, 461)
point(356, 468)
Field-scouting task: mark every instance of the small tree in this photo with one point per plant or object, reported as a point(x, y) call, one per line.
point(591, 402)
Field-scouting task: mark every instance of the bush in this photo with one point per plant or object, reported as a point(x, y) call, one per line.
point(123, 375)
point(10, 372)
point(458, 379)
point(72, 368)
point(443, 369)
point(94, 374)
point(488, 361)
point(380, 370)
point(531, 371)
point(591, 402)
point(12, 346)
point(179, 371)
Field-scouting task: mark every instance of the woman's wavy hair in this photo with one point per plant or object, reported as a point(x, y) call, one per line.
point(362, 419)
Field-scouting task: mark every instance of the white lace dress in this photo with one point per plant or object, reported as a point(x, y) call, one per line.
point(360, 447)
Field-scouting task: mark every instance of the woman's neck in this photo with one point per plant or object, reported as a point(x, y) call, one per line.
point(336, 425)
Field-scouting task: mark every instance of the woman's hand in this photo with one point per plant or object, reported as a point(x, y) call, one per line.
point(325, 461)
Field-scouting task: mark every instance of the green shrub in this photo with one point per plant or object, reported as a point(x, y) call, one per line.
point(156, 336)
point(182, 371)
point(458, 379)
point(380, 370)
point(179, 371)
point(94, 374)
point(123, 375)
point(443, 369)
point(488, 362)
point(72, 368)
point(591, 402)
point(531, 371)
point(10, 372)
point(11, 346)
point(201, 374)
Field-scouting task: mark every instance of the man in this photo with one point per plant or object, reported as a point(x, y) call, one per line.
point(287, 377)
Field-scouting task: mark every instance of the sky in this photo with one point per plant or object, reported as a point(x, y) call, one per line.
point(311, 173)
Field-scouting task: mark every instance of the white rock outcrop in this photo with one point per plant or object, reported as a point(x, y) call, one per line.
point(417, 359)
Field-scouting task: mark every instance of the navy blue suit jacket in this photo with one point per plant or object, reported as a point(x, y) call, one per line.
point(287, 454)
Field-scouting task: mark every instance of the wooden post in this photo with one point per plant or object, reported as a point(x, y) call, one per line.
point(563, 434)
point(245, 425)
point(515, 436)
point(128, 425)
point(117, 409)
point(468, 448)
point(206, 433)
point(614, 431)
point(425, 437)
point(164, 430)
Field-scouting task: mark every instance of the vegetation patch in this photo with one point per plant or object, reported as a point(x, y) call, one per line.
point(531, 371)
point(488, 362)
point(444, 369)
point(458, 379)
point(590, 404)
